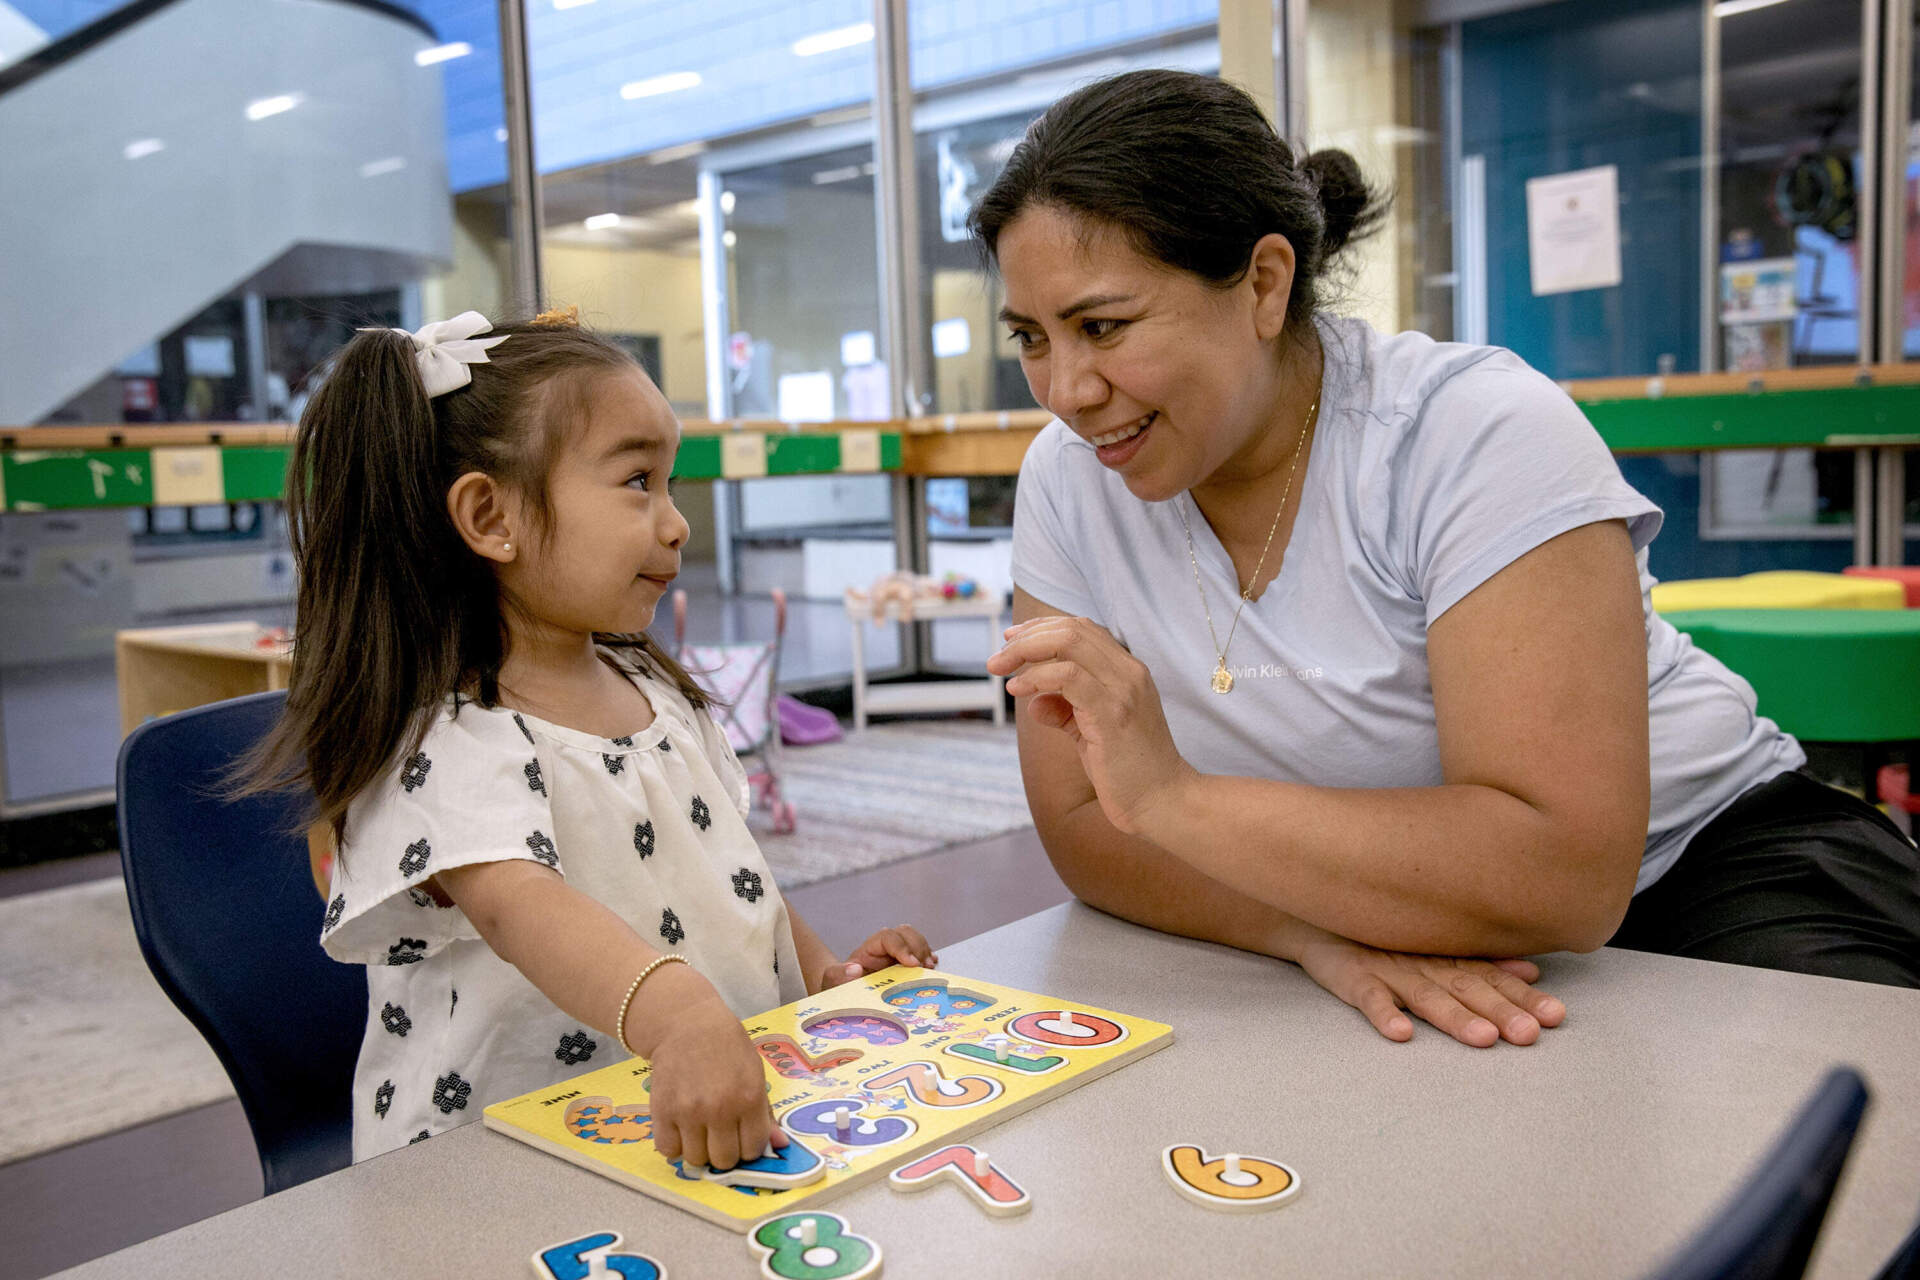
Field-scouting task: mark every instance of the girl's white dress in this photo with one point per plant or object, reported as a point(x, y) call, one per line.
point(652, 825)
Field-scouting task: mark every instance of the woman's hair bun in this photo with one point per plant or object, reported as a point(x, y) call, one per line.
point(1353, 209)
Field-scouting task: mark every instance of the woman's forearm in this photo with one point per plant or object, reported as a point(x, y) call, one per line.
point(1136, 880)
point(1460, 869)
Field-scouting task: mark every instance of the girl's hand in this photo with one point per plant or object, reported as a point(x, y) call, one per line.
point(902, 944)
point(1477, 1002)
point(710, 1089)
point(1085, 683)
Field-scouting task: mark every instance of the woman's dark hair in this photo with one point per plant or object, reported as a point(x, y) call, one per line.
point(394, 612)
point(1187, 167)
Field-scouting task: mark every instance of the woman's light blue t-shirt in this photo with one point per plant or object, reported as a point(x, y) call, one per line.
point(1434, 466)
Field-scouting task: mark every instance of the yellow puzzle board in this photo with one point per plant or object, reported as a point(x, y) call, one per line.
point(912, 1054)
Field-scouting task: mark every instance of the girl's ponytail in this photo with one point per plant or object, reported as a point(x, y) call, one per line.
point(381, 570)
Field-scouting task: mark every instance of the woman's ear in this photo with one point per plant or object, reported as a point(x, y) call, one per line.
point(1270, 276)
point(480, 513)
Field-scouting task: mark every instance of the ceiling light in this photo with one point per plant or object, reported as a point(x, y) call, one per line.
point(653, 87)
point(726, 201)
point(1727, 8)
point(570, 4)
point(374, 168)
point(601, 221)
point(822, 177)
point(442, 53)
point(729, 239)
point(261, 108)
point(143, 148)
point(838, 38)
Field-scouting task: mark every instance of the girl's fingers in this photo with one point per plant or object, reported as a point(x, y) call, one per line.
point(723, 1145)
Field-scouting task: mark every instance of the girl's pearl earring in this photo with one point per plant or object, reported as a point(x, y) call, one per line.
point(507, 547)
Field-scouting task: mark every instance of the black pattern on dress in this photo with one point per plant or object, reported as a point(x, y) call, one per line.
point(383, 1099)
point(543, 848)
point(394, 1018)
point(643, 839)
point(746, 884)
point(615, 764)
point(576, 1047)
point(421, 1136)
point(334, 911)
point(407, 951)
point(414, 860)
point(414, 775)
point(700, 815)
point(450, 1093)
point(670, 927)
point(626, 741)
point(535, 782)
point(524, 731)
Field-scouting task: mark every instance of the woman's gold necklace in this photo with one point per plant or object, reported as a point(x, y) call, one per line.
point(1223, 678)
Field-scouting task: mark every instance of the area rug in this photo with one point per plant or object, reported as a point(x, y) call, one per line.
point(92, 1045)
point(890, 792)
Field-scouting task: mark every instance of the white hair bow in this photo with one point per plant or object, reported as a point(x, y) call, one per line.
point(443, 350)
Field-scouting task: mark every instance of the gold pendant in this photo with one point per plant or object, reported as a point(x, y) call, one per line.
point(1222, 679)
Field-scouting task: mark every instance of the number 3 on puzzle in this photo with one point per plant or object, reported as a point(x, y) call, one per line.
point(571, 1261)
point(835, 1254)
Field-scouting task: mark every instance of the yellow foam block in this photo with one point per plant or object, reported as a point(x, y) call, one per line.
point(1779, 589)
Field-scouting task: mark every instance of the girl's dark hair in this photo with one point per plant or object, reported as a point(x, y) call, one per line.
point(394, 612)
point(1187, 167)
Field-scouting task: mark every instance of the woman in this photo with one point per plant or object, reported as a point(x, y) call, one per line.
point(1337, 646)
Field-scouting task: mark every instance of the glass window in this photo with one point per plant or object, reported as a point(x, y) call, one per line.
point(198, 212)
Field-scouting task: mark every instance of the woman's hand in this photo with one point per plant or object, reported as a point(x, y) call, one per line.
point(709, 1096)
point(902, 944)
point(1085, 683)
point(1477, 1002)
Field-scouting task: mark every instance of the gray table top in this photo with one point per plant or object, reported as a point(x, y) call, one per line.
point(1592, 1153)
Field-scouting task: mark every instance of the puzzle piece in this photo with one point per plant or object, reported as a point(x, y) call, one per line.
point(967, 1165)
point(575, 1259)
point(1233, 1183)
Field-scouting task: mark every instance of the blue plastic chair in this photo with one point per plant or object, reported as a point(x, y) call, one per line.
point(1767, 1229)
point(230, 925)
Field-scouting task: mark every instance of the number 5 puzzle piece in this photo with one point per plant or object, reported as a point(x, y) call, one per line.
point(1232, 1183)
point(593, 1256)
point(967, 1165)
point(813, 1246)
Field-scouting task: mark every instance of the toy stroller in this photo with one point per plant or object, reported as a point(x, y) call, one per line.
point(742, 677)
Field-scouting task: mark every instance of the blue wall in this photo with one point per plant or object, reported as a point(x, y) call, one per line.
point(1573, 86)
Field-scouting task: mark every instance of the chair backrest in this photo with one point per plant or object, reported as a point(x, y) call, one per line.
point(1767, 1229)
point(229, 924)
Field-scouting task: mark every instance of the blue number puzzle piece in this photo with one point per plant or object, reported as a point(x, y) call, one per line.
point(569, 1261)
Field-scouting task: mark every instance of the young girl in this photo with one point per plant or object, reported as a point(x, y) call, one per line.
point(543, 861)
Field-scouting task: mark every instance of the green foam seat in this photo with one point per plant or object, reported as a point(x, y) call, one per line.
point(1827, 675)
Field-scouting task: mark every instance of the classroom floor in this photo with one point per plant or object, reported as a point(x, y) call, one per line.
point(80, 1202)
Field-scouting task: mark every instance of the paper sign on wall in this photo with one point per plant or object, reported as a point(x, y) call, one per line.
point(743, 455)
point(1573, 230)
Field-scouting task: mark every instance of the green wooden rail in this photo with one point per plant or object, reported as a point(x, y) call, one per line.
point(176, 475)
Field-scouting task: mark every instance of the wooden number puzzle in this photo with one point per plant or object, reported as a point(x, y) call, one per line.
point(863, 1078)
